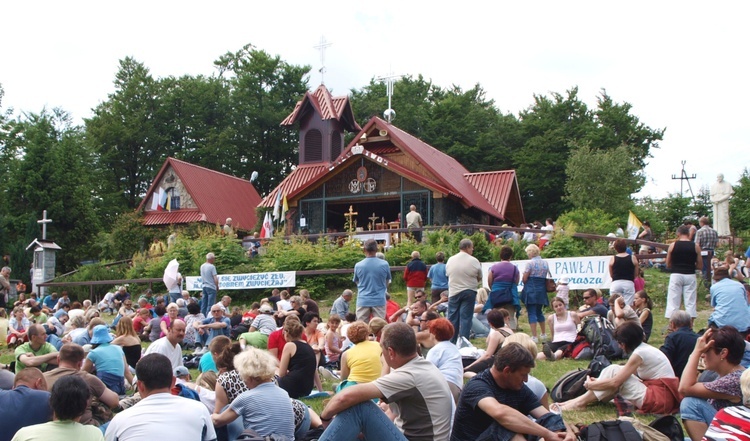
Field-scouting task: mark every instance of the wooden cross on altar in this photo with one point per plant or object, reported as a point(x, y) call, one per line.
point(373, 220)
point(350, 215)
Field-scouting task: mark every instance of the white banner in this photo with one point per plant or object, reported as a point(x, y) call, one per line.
point(281, 279)
point(582, 272)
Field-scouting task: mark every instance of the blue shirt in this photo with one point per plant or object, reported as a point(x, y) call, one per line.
point(256, 404)
point(108, 358)
point(215, 332)
point(371, 276)
point(438, 279)
point(207, 363)
point(208, 271)
point(49, 302)
point(22, 407)
point(729, 300)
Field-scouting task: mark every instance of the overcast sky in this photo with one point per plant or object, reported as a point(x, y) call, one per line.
point(682, 65)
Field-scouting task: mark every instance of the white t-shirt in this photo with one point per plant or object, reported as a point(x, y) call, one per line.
point(446, 357)
point(537, 387)
point(655, 363)
point(164, 347)
point(284, 305)
point(162, 416)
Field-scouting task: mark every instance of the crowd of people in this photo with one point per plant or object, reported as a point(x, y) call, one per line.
point(397, 371)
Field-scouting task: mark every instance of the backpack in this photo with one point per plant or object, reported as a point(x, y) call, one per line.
point(570, 385)
point(598, 364)
point(599, 332)
point(617, 430)
point(669, 426)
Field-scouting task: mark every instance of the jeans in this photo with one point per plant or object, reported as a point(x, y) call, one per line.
point(697, 409)
point(366, 418)
point(707, 267)
point(460, 313)
point(535, 313)
point(208, 300)
point(173, 296)
point(496, 432)
point(304, 426)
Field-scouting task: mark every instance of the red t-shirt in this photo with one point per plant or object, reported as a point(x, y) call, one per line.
point(139, 323)
point(276, 340)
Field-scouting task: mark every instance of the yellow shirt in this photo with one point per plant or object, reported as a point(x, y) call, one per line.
point(364, 362)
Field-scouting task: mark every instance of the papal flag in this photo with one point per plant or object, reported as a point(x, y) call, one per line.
point(634, 225)
point(277, 206)
point(284, 209)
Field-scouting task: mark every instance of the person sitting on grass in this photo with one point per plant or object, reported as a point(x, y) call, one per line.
point(721, 350)
point(495, 404)
point(563, 326)
point(18, 328)
point(620, 312)
point(643, 306)
point(498, 333)
point(646, 381)
point(362, 362)
point(69, 400)
point(733, 422)
point(680, 341)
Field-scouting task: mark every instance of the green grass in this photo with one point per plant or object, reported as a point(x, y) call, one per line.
point(547, 372)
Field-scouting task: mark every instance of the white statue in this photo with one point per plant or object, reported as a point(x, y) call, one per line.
point(721, 191)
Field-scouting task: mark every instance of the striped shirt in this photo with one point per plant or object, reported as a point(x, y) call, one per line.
point(730, 423)
point(266, 409)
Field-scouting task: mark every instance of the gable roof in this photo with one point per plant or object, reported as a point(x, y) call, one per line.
point(298, 180)
point(327, 106)
point(449, 173)
point(500, 188)
point(217, 196)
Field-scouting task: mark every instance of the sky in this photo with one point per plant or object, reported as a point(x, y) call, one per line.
point(682, 65)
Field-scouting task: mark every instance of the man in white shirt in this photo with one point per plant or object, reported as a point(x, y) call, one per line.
point(169, 345)
point(155, 415)
point(464, 276)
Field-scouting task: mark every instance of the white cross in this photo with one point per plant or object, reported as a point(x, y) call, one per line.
point(44, 223)
point(322, 48)
point(389, 80)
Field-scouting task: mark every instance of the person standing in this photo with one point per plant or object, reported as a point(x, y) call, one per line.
point(707, 239)
point(623, 269)
point(414, 220)
point(372, 276)
point(464, 275)
point(4, 286)
point(210, 282)
point(683, 258)
point(438, 279)
point(415, 276)
point(534, 293)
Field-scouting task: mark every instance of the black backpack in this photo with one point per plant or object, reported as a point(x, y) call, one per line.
point(570, 385)
point(600, 333)
point(669, 426)
point(598, 364)
point(616, 430)
point(251, 435)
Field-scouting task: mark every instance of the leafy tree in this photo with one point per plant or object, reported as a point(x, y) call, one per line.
point(127, 133)
point(263, 91)
point(701, 205)
point(602, 179)
point(673, 210)
point(739, 204)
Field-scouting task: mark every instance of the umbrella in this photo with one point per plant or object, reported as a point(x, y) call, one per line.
point(170, 274)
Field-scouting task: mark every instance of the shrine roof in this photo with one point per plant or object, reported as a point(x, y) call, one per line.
point(449, 172)
point(327, 106)
point(496, 187)
point(296, 181)
point(216, 195)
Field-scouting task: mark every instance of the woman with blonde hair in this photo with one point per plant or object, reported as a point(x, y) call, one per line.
point(128, 340)
point(261, 399)
point(376, 327)
point(534, 294)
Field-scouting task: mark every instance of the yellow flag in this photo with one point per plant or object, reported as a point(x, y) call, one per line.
point(284, 208)
point(634, 225)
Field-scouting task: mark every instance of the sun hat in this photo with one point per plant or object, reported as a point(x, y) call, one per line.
point(101, 335)
point(564, 280)
point(266, 308)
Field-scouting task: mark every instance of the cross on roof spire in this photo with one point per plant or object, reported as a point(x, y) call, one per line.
point(44, 221)
point(389, 79)
point(322, 48)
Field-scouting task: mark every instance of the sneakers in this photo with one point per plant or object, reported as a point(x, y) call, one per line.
point(543, 337)
point(548, 352)
point(327, 374)
point(534, 339)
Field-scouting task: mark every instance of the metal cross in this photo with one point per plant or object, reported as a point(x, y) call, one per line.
point(374, 220)
point(44, 223)
point(322, 48)
point(350, 215)
point(389, 80)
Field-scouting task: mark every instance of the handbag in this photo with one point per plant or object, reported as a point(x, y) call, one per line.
point(501, 297)
point(551, 285)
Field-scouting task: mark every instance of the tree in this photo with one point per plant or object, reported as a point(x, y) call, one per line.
point(127, 134)
point(263, 91)
point(602, 179)
point(739, 204)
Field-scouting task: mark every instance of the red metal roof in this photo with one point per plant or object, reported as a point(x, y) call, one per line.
point(449, 172)
point(327, 106)
point(298, 180)
point(173, 217)
point(496, 187)
point(216, 195)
